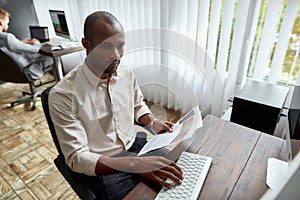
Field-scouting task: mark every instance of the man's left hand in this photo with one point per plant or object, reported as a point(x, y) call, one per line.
point(30, 41)
point(161, 127)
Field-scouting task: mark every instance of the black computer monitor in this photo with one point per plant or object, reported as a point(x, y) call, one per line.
point(294, 114)
point(39, 32)
point(59, 22)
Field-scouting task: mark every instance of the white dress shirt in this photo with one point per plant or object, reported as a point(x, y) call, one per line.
point(94, 117)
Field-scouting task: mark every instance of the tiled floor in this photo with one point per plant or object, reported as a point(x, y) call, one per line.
point(27, 150)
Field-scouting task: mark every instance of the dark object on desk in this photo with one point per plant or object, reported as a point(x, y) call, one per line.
point(39, 32)
point(73, 178)
point(13, 71)
point(294, 114)
point(258, 105)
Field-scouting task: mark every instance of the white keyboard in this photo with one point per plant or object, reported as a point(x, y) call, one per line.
point(195, 169)
point(63, 43)
point(57, 41)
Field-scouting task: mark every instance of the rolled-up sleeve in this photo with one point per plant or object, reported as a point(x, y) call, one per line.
point(71, 134)
point(140, 107)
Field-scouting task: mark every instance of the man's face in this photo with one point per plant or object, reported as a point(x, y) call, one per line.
point(4, 24)
point(107, 54)
point(106, 49)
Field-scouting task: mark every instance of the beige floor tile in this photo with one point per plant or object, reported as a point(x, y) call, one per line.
point(19, 187)
point(11, 195)
point(4, 186)
point(28, 195)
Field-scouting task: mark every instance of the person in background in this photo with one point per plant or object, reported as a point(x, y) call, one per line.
point(25, 51)
point(94, 108)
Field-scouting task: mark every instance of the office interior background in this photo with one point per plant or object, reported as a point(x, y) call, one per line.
point(208, 49)
point(187, 53)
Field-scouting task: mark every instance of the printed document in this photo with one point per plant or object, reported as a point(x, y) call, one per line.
point(183, 129)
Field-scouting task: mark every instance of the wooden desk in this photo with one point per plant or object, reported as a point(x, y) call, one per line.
point(239, 165)
point(58, 70)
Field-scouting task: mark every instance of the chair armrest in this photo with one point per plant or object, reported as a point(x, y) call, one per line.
point(145, 127)
point(74, 179)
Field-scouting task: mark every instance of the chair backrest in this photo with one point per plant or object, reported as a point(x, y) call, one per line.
point(74, 179)
point(10, 70)
point(45, 104)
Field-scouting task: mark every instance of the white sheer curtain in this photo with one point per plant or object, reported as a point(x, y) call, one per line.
point(161, 37)
point(187, 53)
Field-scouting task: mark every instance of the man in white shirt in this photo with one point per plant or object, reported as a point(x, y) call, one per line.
point(94, 108)
point(24, 51)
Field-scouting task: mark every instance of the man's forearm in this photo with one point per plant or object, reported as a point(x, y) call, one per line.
point(109, 165)
point(146, 119)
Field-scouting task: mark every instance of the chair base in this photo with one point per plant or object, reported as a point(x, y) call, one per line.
point(32, 96)
point(23, 101)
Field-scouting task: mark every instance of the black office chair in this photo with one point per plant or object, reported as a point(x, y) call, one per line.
point(13, 71)
point(73, 178)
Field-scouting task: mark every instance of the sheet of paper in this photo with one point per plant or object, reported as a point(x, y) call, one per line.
point(182, 129)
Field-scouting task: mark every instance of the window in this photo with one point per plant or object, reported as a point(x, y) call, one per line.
point(288, 68)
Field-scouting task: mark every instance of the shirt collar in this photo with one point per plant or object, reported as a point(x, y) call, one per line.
point(94, 80)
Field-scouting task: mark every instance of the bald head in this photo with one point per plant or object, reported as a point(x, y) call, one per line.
point(98, 27)
point(103, 20)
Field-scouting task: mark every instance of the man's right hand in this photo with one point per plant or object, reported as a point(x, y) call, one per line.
point(160, 168)
point(155, 168)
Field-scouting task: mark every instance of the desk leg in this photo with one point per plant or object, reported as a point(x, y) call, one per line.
point(57, 68)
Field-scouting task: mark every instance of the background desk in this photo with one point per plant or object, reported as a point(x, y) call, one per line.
point(239, 164)
point(58, 69)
